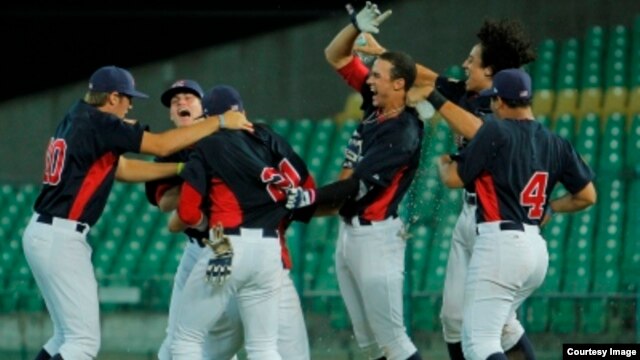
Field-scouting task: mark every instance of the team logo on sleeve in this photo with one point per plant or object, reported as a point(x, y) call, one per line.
point(352, 154)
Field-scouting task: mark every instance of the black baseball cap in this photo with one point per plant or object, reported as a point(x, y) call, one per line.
point(113, 78)
point(220, 99)
point(511, 84)
point(181, 86)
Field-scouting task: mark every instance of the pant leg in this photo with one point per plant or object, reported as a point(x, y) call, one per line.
point(187, 262)
point(505, 269)
point(353, 298)
point(293, 341)
point(462, 241)
point(259, 278)
point(60, 260)
point(375, 255)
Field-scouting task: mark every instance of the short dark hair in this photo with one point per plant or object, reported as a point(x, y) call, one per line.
point(404, 67)
point(517, 103)
point(505, 45)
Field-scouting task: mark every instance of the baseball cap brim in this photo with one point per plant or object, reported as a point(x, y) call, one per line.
point(165, 98)
point(136, 94)
point(490, 92)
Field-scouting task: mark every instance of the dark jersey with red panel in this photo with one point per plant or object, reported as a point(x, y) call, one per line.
point(244, 177)
point(156, 188)
point(81, 162)
point(514, 165)
point(384, 152)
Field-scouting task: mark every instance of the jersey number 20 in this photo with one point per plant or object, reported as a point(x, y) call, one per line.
point(54, 161)
point(534, 194)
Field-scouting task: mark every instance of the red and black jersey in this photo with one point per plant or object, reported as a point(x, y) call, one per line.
point(384, 152)
point(156, 188)
point(514, 165)
point(81, 162)
point(456, 92)
point(244, 177)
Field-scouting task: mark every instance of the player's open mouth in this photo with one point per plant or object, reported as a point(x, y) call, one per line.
point(184, 113)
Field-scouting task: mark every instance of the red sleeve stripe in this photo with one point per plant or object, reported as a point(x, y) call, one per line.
point(189, 206)
point(354, 73)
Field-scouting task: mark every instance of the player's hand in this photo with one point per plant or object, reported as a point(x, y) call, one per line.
point(219, 267)
point(236, 120)
point(369, 18)
point(298, 197)
point(418, 93)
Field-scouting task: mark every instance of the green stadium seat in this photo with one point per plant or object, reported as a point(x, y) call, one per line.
point(317, 158)
point(544, 120)
point(336, 156)
point(630, 264)
point(300, 134)
point(611, 149)
point(282, 127)
point(455, 72)
point(565, 126)
point(542, 78)
point(632, 146)
point(419, 242)
point(586, 142)
point(567, 86)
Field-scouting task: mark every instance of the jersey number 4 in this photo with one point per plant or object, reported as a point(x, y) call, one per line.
point(54, 161)
point(534, 194)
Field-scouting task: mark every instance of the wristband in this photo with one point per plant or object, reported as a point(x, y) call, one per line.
point(436, 99)
point(179, 168)
point(221, 118)
point(352, 16)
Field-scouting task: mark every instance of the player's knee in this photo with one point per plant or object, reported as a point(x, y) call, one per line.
point(451, 326)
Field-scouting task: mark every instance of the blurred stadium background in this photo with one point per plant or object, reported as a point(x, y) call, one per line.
point(586, 88)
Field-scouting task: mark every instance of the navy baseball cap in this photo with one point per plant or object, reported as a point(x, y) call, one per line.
point(220, 99)
point(512, 84)
point(181, 86)
point(113, 78)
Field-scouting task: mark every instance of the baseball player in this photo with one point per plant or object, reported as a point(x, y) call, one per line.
point(513, 163)
point(82, 160)
point(183, 99)
point(243, 178)
point(503, 44)
point(382, 157)
point(226, 338)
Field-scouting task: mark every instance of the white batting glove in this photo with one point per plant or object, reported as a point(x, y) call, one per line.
point(369, 18)
point(298, 197)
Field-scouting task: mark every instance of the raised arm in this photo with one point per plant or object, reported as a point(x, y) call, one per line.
point(132, 170)
point(170, 141)
point(339, 51)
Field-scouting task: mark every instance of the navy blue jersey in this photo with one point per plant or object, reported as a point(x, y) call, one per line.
point(244, 177)
point(456, 92)
point(385, 155)
point(514, 165)
point(81, 162)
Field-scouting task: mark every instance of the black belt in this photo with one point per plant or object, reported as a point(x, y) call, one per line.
point(237, 231)
point(470, 199)
point(196, 241)
point(510, 225)
point(48, 219)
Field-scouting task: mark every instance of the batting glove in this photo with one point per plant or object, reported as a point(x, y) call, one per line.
point(219, 267)
point(369, 18)
point(298, 197)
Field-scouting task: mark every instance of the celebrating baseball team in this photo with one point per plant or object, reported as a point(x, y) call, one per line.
point(233, 188)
